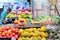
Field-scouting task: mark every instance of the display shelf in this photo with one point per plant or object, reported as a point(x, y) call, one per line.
point(30, 26)
point(26, 26)
point(7, 38)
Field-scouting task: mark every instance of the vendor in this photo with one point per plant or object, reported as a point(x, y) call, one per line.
point(3, 15)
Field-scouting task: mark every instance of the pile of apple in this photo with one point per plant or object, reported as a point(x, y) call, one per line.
point(33, 33)
point(20, 14)
point(8, 32)
point(24, 14)
point(10, 15)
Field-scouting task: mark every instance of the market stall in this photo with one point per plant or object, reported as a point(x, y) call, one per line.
point(26, 21)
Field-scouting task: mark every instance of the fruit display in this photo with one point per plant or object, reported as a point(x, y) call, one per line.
point(44, 20)
point(20, 21)
point(53, 33)
point(33, 34)
point(8, 32)
point(10, 15)
point(23, 14)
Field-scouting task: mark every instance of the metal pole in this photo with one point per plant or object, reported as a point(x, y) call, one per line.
point(32, 5)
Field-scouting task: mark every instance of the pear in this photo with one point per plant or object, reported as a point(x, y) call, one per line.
point(25, 34)
point(20, 39)
point(21, 30)
point(43, 39)
point(39, 38)
point(34, 38)
point(24, 39)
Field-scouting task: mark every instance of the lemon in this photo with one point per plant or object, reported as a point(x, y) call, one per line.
point(21, 31)
point(26, 34)
point(39, 38)
point(44, 35)
point(27, 38)
point(43, 39)
point(35, 35)
point(20, 39)
point(34, 29)
point(29, 30)
point(42, 28)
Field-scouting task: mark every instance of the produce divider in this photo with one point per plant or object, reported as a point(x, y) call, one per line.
point(30, 26)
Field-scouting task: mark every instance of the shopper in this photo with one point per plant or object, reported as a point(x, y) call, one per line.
point(3, 15)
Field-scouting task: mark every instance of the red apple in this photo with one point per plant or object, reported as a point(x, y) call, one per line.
point(16, 36)
point(3, 34)
point(13, 30)
point(3, 29)
point(7, 28)
point(16, 30)
point(0, 32)
point(7, 35)
point(0, 29)
point(9, 32)
point(13, 34)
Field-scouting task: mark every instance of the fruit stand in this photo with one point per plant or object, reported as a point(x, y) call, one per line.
point(20, 25)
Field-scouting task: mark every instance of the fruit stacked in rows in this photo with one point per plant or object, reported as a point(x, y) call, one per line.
point(53, 33)
point(44, 19)
point(10, 15)
point(8, 32)
point(23, 14)
point(32, 33)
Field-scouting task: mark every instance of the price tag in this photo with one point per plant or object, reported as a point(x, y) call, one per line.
point(13, 39)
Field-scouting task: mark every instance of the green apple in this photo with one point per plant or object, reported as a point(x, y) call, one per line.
point(29, 15)
point(23, 16)
point(38, 19)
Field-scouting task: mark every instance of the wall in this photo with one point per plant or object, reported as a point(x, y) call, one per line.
point(41, 7)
